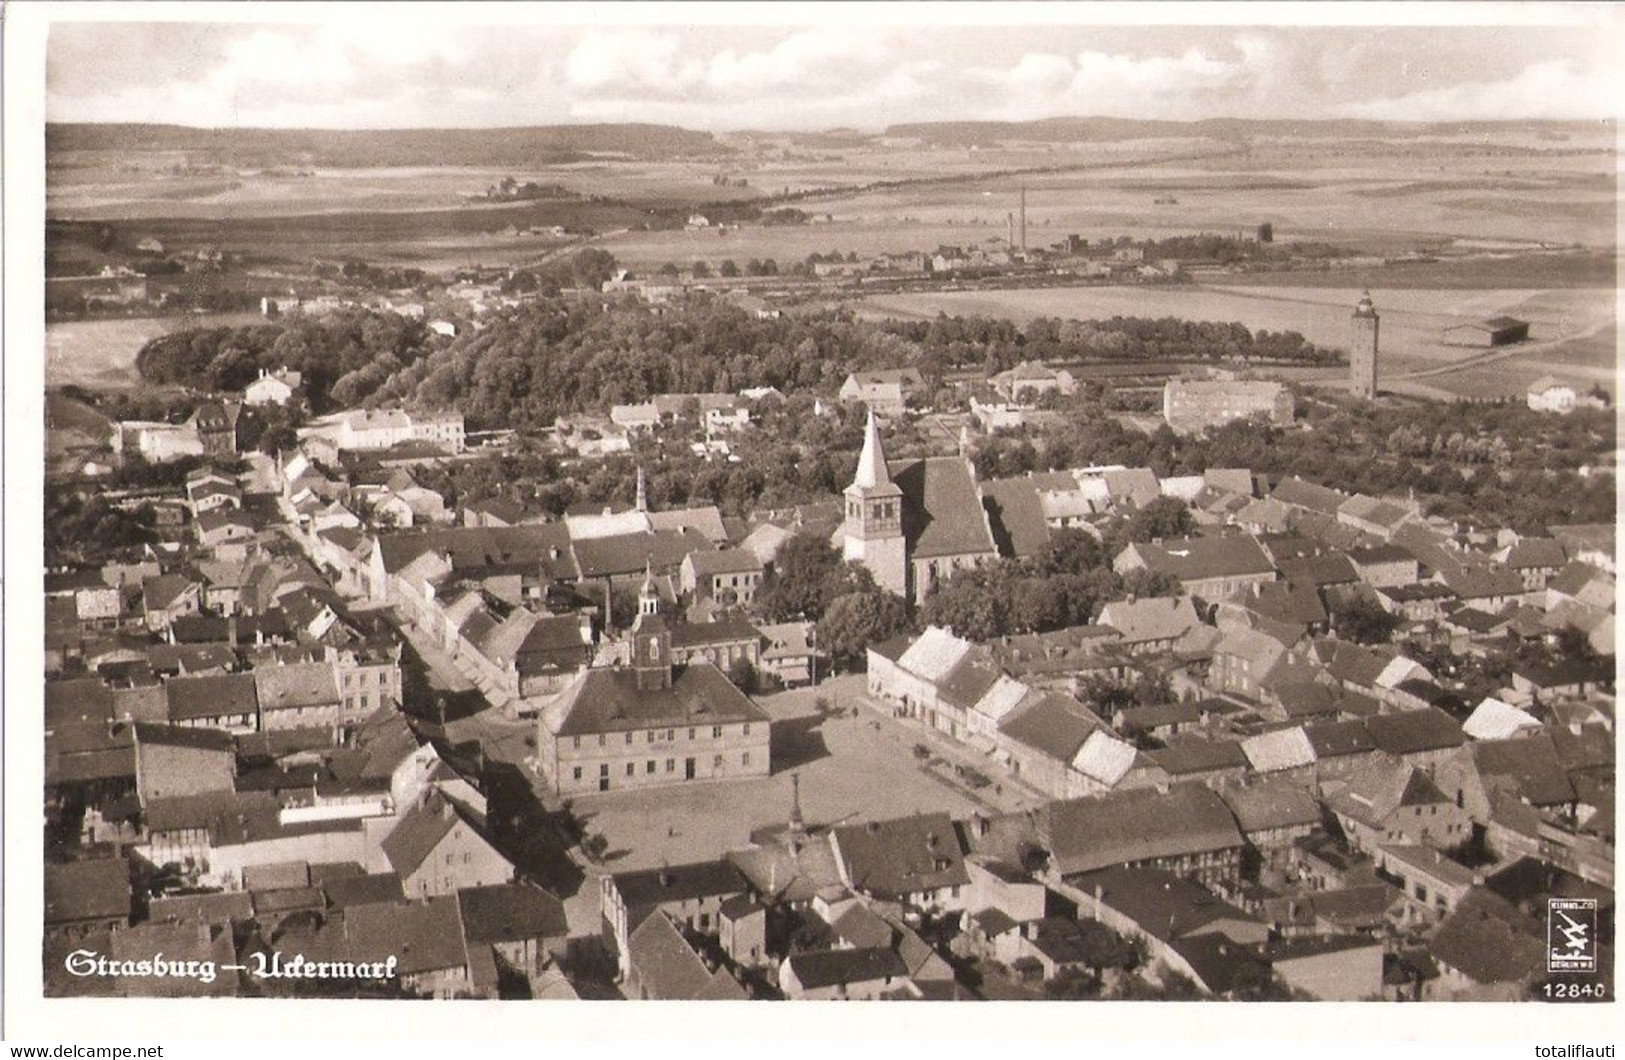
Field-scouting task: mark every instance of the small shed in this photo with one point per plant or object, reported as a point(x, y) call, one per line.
point(1495, 331)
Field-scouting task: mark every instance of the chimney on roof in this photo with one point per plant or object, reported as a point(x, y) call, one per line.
point(666, 878)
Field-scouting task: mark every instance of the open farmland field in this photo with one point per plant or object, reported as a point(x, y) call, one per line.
point(1369, 197)
point(1569, 334)
point(100, 354)
point(80, 191)
point(1321, 206)
point(104, 185)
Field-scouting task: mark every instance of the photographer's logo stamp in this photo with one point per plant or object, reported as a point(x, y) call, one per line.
point(1571, 934)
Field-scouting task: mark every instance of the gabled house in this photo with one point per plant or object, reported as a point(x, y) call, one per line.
point(1212, 568)
point(663, 966)
point(167, 597)
point(1485, 951)
point(1525, 769)
point(1185, 829)
point(437, 848)
point(885, 392)
point(1426, 738)
point(1151, 624)
point(223, 701)
point(730, 576)
point(691, 895)
point(844, 974)
point(273, 388)
point(87, 897)
point(913, 862)
point(1391, 801)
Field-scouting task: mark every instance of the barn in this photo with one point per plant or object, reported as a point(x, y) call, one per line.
point(1496, 331)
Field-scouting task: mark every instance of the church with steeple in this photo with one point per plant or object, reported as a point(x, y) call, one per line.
point(912, 523)
point(872, 532)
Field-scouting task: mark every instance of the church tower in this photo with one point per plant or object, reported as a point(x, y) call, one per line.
point(1363, 350)
point(873, 531)
point(651, 640)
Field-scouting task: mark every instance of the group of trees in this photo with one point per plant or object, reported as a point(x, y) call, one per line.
point(729, 269)
point(376, 277)
point(552, 357)
point(1231, 250)
point(811, 582)
point(1064, 585)
point(585, 270)
point(343, 356)
point(80, 527)
point(1002, 343)
point(794, 457)
point(511, 190)
point(1511, 466)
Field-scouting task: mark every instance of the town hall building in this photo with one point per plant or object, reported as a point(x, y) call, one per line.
point(650, 722)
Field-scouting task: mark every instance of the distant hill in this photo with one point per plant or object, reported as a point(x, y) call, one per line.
point(1076, 130)
point(354, 148)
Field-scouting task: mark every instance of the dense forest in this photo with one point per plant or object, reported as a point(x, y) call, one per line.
point(557, 355)
point(344, 356)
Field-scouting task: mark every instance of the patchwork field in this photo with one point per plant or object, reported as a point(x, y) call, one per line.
point(1375, 198)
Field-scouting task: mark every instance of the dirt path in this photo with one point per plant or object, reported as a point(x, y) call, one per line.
point(579, 244)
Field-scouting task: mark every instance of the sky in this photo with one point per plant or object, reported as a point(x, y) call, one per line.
point(423, 68)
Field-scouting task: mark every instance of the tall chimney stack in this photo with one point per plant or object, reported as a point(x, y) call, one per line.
point(1023, 221)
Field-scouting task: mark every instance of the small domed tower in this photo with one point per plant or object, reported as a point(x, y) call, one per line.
point(651, 640)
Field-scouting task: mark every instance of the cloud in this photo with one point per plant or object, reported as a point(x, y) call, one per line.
point(827, 58)
point(427, 71)
point(1554, 89)
point(628, 62)
point(1043, 84)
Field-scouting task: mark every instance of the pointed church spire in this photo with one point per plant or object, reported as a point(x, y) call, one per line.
point(648, 595)
point(872, 461)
